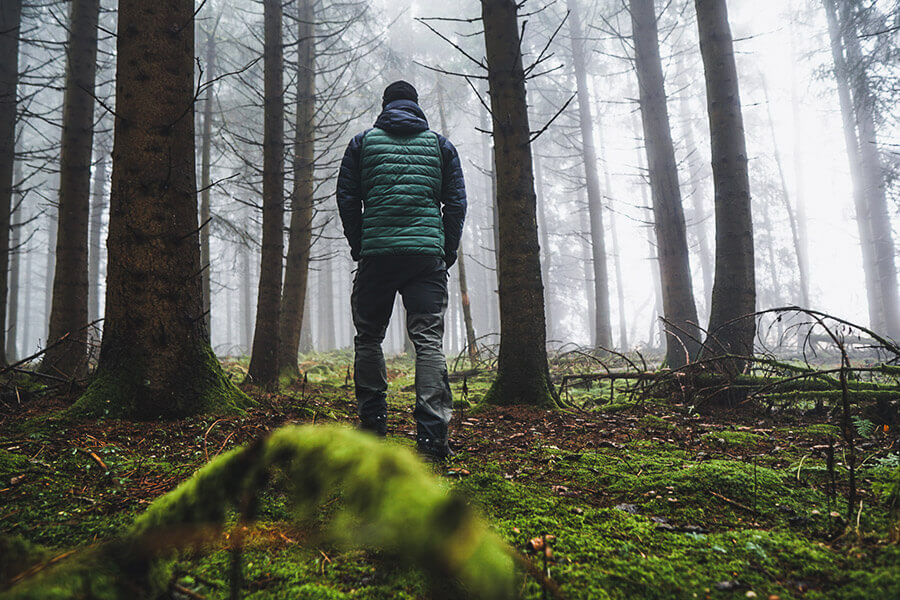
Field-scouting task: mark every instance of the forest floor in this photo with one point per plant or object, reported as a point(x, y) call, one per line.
point(636, 501)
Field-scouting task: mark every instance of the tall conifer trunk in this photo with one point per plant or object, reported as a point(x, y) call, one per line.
point(731, 324)
point(602, 326)
point(296, 275)
point(872, 172)
point(264, 357)
point(523, 375)
point(682, 332)
point(69, 312)
point(155, 360)
point(863, 222)
point(10, 16)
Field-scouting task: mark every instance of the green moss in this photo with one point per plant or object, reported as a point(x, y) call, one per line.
point(504, 392)
point(124, 393)
point(389, 502)
point(17, 554)
point(12, 465)
point(654, 422)
point(732, 439)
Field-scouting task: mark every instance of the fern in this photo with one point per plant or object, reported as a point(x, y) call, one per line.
point(864, 427)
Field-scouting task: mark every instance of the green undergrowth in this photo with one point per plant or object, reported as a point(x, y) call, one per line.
point(611, 553)
point(387, 502)
point(647, 509)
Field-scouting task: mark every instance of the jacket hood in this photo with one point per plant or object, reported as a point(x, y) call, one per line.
point(402, 117)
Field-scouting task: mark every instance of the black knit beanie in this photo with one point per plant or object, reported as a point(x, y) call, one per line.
point(399, 90)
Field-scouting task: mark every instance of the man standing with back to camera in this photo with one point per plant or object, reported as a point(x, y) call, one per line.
point(402, 201)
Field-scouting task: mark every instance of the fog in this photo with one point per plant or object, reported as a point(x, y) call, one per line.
point(788, 98)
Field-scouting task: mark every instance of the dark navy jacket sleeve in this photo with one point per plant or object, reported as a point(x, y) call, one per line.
point(453, 199)
point(350, 194)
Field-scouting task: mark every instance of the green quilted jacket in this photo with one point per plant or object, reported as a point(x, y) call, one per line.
point(401, 178)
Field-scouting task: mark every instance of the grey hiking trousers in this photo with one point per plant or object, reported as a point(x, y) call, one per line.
point(422, 283)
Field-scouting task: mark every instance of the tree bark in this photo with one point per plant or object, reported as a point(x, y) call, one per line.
point(523, 374)
point(155, 360)
point(602, 326)
point(731, 326)
point(296, 275)
point(682, 332)
point(69, 312)
point(205, 181)
point(263, 369)
point(10, 16)
point(872, 172)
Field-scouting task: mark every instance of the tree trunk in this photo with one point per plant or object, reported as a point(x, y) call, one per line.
point(15, 269)
point(10, 15)
point(872, 172)
point(296, 275)
point(602, 327)
point(205, 181)
point(523, 374)
point(682, 332)
point(95, 247)
point(326, 305)
point(863, 222)
point(731, 326)
point(50, 260)
point(246, 298)
point(306, 338)
point(263, 369)
point(155, 360)
point(69, 312)
point(590, 297)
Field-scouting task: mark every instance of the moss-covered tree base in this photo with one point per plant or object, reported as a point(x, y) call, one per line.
point(517, 390)
point(128, 393)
